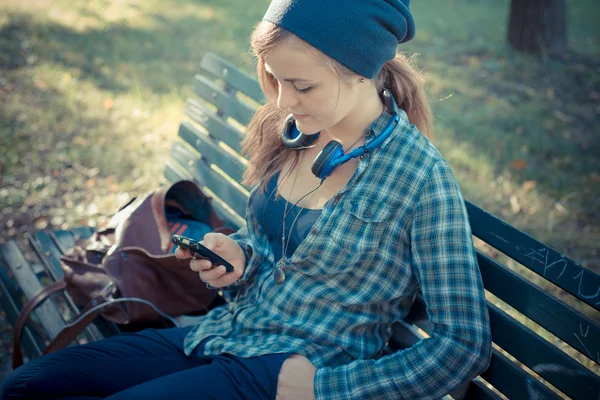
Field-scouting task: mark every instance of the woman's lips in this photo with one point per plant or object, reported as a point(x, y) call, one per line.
point(299, 116)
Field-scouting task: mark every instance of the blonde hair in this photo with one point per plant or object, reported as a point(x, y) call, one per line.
point(262, 143)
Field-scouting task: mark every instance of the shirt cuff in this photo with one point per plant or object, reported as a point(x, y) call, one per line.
point(331, 384)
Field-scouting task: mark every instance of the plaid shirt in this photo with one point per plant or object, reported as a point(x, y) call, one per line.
point(398, 227)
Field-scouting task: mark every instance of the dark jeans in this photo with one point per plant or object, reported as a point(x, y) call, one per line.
point(147, 365)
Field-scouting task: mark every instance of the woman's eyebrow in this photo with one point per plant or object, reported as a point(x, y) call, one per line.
point(289, 79)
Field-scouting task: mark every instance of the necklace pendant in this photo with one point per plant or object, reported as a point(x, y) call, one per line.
point(279, 275)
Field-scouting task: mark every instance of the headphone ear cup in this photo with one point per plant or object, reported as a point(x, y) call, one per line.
point(292, 138)
point(323, 164)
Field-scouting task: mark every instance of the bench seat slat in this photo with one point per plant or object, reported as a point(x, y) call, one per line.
point(214, 125)
point(48, 250)
point(557, 317)
point(211, 152)
point(227, 104)
point(546, 262)
point(10, 298)
point(51, 252)
point(545, 359)
point(28, 281)
point(233, 76)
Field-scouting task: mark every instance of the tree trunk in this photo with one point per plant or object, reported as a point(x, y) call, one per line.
point(538, 26)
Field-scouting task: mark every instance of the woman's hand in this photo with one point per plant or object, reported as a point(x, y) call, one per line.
point(296, 379)
point(228, 249)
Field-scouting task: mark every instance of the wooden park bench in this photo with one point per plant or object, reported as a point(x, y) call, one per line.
point(542, 341)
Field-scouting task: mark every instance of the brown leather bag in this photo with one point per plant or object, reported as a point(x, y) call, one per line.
point(132, 257)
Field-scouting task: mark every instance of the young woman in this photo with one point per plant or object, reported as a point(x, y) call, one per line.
point(353, 212)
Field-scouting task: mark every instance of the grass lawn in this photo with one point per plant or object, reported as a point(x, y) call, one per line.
point(92, 93)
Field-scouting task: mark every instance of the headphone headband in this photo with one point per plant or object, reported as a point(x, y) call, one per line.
point(332, 155)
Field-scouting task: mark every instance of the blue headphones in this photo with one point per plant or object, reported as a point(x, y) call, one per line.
point(332, 155)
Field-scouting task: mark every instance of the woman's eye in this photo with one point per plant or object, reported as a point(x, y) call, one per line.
point(304, 90)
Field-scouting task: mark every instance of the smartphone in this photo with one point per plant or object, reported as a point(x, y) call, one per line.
point(199, 251)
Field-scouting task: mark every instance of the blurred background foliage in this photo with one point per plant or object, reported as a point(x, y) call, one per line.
point(92, 93)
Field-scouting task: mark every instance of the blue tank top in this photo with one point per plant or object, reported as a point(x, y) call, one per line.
point(269, 212)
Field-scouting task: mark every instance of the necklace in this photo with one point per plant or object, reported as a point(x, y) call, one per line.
point(279, 273)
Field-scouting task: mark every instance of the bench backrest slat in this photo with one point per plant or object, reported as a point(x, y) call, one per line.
point(546, 262)
point(547, 360)
point(174, 173)
point(202, 172)
point(478, 390)
point(569, 325)
point(233, 77)
point(227, 104)
point(513, 381)
point(540, 356)
point(211, 152)
point(214, 125)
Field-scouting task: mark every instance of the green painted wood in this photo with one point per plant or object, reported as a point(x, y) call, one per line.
point(173, 173)
point(233, 76)
point(212, 153)
point(569, 325)
point(214, 125)
point(479, 391)
point(513, 381)
point(404, 335)
point(65, 240)
point(47, 312)
point(418, 314)
point(48, 260)
point(202, 172)
point(227, 104)
point(51, 253)
point(542, 357)
point(545, 261)
point(10, 300)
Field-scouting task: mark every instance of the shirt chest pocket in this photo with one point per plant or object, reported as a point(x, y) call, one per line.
point(361, 225)
point(352, 236)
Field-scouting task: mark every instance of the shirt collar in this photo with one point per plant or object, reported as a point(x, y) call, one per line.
point(379, 125)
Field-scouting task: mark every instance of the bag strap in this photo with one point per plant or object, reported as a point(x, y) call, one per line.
point(27, 309)
point(66, 335)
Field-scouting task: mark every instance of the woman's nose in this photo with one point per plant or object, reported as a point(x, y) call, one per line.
point(287, 98)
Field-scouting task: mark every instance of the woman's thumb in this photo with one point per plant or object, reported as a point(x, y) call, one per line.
point(213, 240)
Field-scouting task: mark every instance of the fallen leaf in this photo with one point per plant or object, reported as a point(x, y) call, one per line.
point(41, 223)
point(518, 165)
point(529, 185)
point(40, 84)
point(109, 103)
point(80, 141)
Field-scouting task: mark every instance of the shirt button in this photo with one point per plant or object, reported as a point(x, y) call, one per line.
point(313, 231)
point(368, 132)
point(362, 157)
point(368, 214)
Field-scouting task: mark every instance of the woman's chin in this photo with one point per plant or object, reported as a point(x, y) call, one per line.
point(307, 128)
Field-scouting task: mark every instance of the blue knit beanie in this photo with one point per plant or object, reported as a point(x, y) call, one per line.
point(360, 34)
